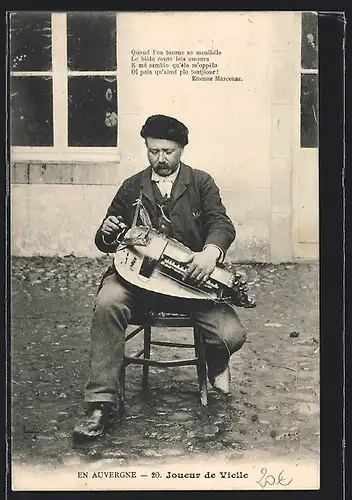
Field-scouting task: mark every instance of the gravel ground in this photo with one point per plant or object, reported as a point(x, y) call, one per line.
point(274, 403)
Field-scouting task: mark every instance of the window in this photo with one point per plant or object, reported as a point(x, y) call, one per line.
point(63, 85)
point(309, 80)
point(31, 89)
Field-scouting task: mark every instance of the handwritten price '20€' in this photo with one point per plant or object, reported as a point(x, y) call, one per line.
point(269, 479)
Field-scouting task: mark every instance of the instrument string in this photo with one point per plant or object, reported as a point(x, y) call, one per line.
point(137, 203)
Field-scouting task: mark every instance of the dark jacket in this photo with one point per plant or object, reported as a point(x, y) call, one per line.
point(197, 214)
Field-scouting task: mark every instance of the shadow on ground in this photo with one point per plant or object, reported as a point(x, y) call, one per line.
point(274, 403)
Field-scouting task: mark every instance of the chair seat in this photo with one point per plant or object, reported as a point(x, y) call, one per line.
point(160, 318)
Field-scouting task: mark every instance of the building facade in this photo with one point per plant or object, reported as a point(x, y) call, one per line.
point(82, 85)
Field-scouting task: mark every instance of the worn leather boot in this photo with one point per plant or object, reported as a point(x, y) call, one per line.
point(221, 382)
point(99, 418)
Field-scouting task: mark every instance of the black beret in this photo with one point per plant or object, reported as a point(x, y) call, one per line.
point(165, 127)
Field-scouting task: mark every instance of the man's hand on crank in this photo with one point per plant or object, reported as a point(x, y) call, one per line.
point(112, 226)
point(202, 264)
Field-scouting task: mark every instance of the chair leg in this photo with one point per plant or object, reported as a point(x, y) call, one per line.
point(201, 366)
point(147, 340)
point(122, 388)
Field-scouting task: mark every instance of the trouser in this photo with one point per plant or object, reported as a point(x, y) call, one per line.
point(115, 302)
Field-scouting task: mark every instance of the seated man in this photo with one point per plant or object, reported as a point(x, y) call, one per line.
point(185, 204)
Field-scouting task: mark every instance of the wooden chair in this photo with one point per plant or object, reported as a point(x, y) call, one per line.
point(142, 357)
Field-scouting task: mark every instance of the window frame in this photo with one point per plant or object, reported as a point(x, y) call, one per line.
point(60, 73)
point(308, 71)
